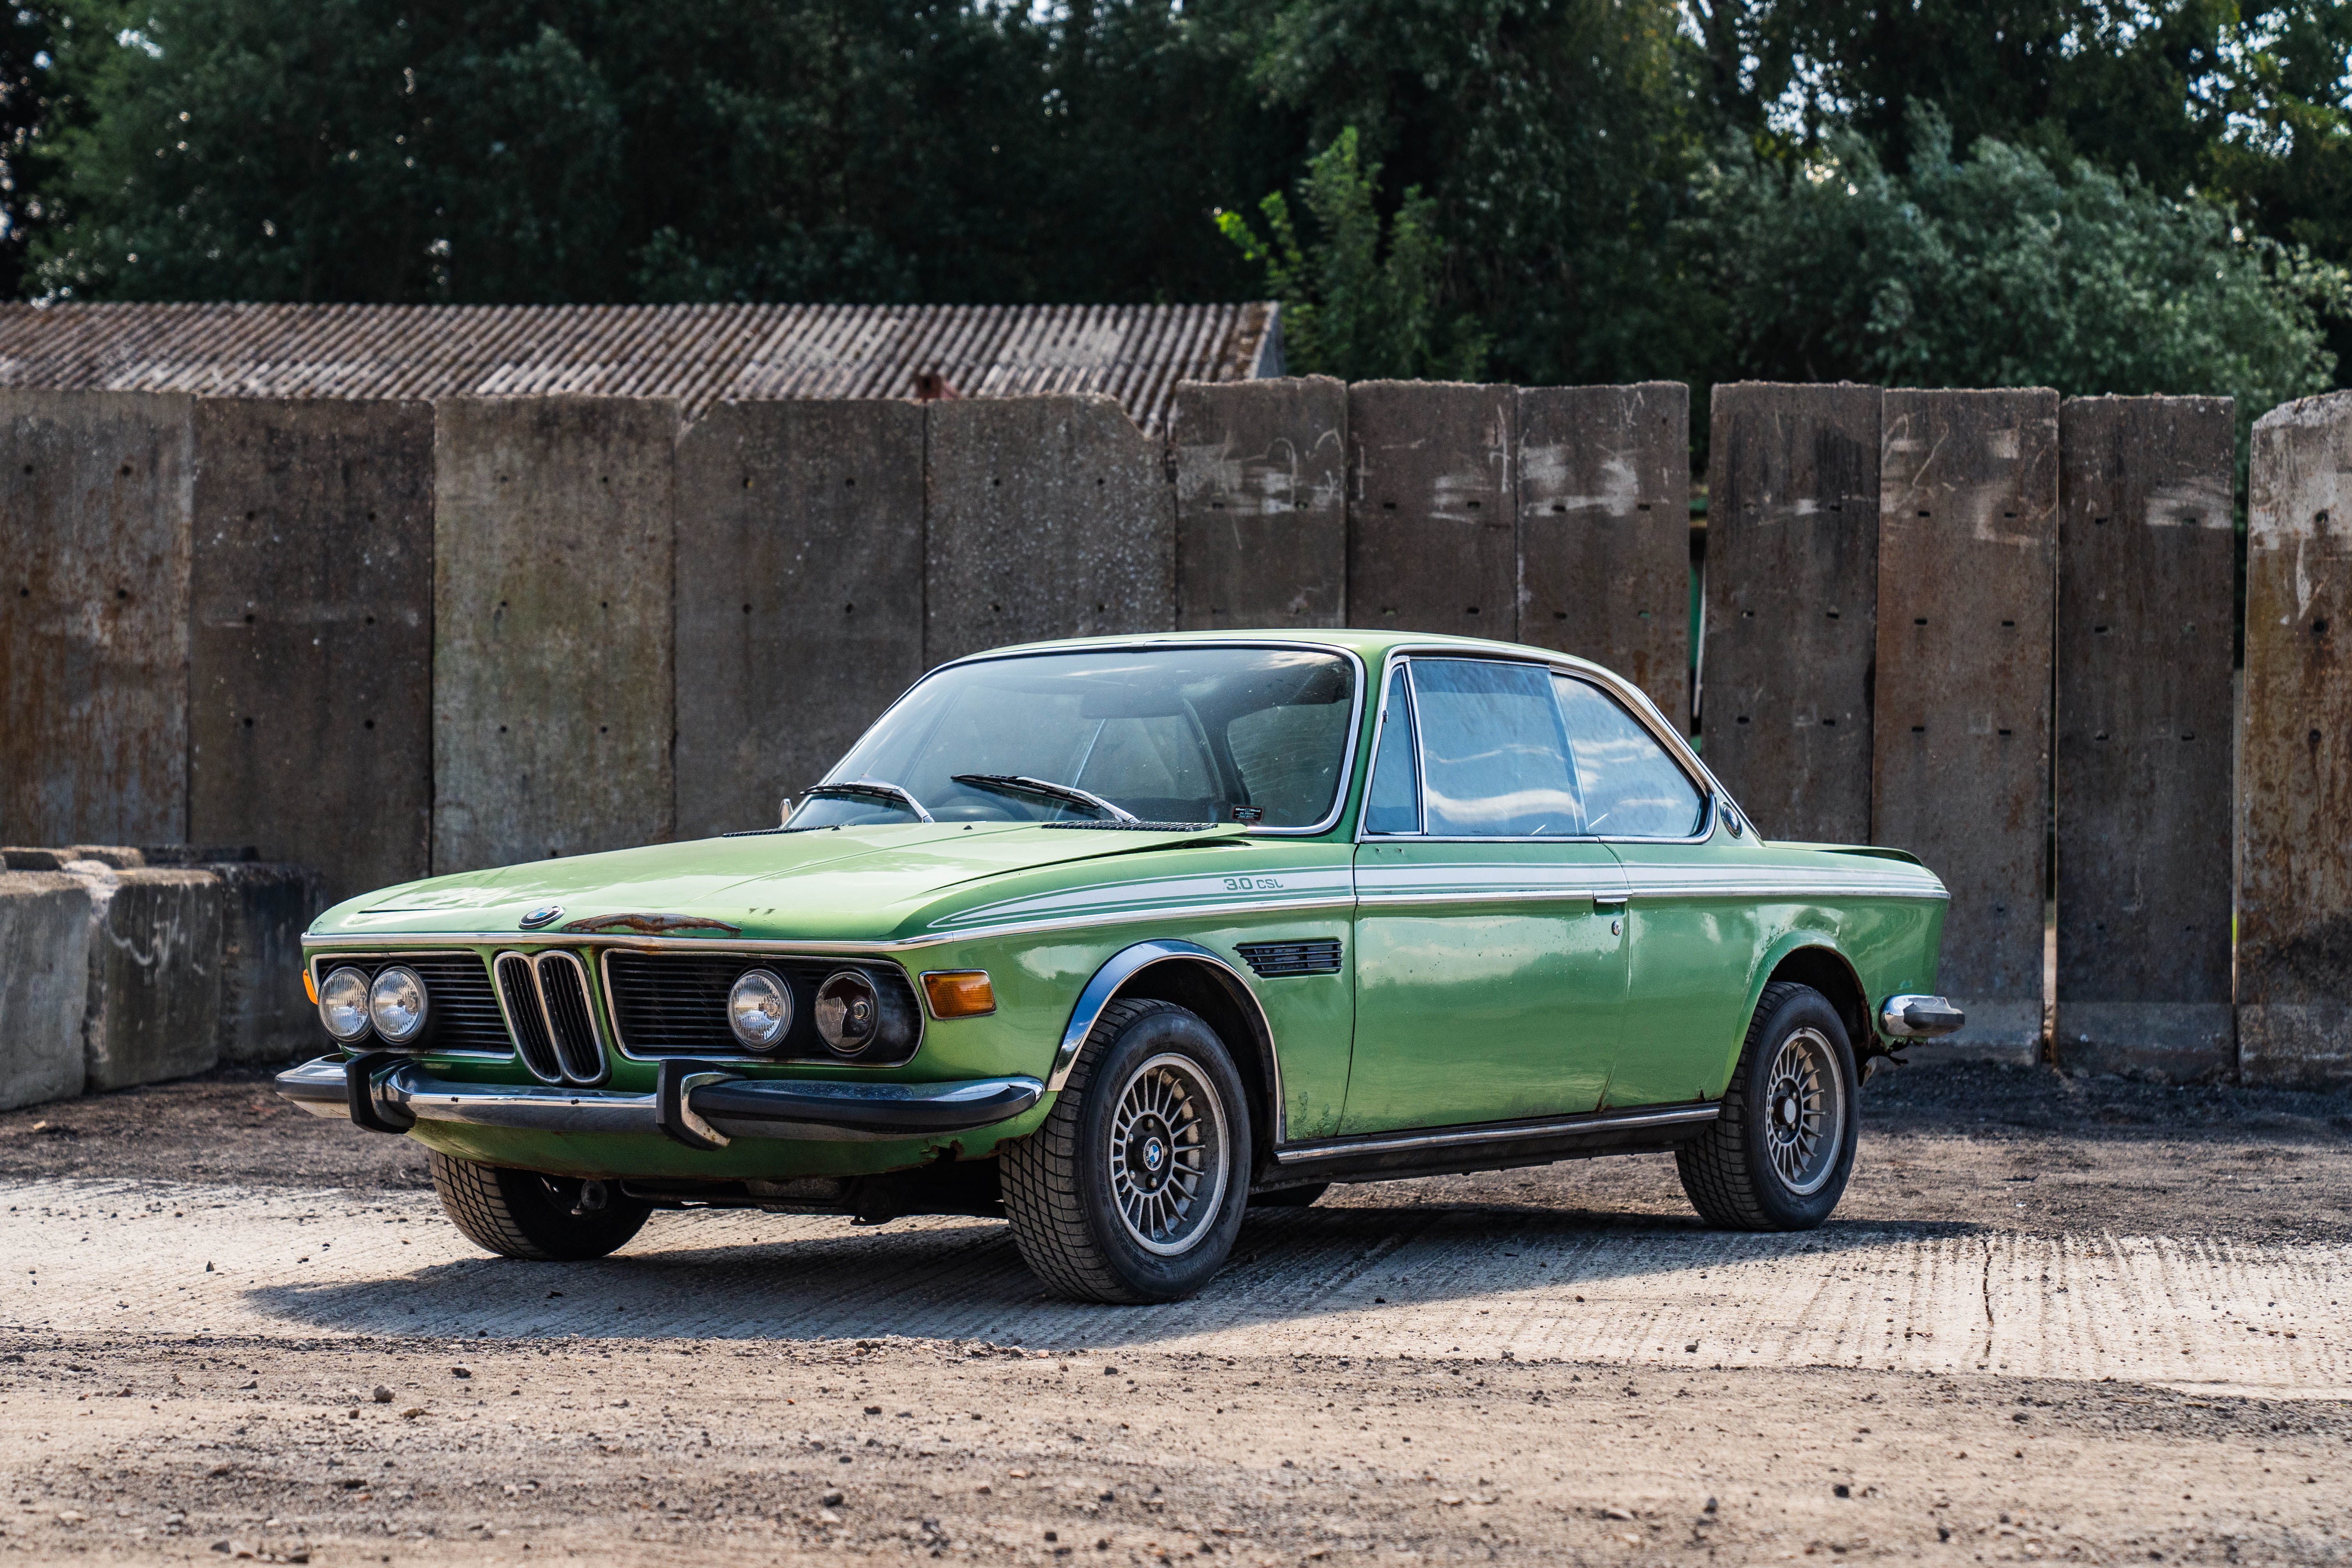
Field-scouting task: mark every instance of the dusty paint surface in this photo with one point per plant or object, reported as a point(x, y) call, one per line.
point(1261, 503)
point(800, 596)
point(2295, 891)
point(1048, 517)
point(1604, 530)
point(1433, 524)
point(94, 490)
point(1966, 531)
point(1792, 605)
point(312, 635)
point(553, 688)
point(2143, 735)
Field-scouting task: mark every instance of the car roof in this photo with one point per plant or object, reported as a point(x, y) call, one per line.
point(1370, 646)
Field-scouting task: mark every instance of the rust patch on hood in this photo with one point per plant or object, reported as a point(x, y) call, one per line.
point(649, 925)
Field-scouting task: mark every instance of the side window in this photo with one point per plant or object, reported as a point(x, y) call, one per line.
point(1393, 805)
point(1631, 788)
point(1494, 758)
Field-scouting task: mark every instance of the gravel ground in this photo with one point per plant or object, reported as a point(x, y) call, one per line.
point(798, 1387)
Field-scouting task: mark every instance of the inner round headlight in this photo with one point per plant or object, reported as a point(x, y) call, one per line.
point(760, 1010)
point(344, 1004)
point(847, 1011)
point(396, 1005)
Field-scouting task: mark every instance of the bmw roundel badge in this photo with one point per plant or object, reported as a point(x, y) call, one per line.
point(547, 914)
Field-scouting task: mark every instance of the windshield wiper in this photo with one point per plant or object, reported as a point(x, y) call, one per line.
point(1069, 795)
point(869, 789)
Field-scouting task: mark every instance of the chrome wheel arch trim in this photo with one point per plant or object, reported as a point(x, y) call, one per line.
point(1129, 962)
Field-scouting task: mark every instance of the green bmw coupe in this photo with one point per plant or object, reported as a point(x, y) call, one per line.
point(1115, 938)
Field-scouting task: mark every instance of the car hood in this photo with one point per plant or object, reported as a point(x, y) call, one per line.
point(834, 884)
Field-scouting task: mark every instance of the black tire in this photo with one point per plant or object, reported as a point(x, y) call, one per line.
point(1761, 1165)
point(1290, 1198)
point(1075, 1214)
point(522, 1213)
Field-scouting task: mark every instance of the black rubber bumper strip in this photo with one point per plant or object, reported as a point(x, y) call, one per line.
point(359, 1092)
point(875, 1110)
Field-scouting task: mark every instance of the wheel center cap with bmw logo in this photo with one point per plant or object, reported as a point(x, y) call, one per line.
point(547, 914)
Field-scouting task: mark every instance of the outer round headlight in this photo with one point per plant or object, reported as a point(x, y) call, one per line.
point(760, 1010)
point(397, 1004)
point(343, 1005)
point(847, 1011)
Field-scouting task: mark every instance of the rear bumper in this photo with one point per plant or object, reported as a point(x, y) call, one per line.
point(702, 1106)
point(1919, 1017)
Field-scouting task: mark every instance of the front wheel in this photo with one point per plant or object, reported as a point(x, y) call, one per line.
point(522, 1213)
point(1134, 1188)
point(1778, 1156)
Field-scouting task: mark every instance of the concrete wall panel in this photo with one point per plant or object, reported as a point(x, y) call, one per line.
point(553, 686)
point(1047, 516)
point(94, 506)
point(800, 596)
point(2142, 767)
point(1604, 530)
point(44, 986)
point(1967, 537)
point(1261, 503)
point(311, 604)
point(1433, 513)
point(1792, 605)
point(265, 1014)
point(2294, 773)
point(154, 976)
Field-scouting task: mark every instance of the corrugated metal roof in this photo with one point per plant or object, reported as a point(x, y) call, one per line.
point(697, 354)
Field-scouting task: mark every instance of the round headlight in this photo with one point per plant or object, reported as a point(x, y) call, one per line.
point(760, 1010)
point(396, 1005)
point(847, 1011)
point(344, 1004)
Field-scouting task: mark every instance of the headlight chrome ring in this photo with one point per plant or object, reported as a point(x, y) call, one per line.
point(760, 1010)
point(398, 1005)
point(343, 1005)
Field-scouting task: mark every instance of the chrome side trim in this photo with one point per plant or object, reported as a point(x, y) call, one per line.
point(1499, 1133)
point(1124, 966)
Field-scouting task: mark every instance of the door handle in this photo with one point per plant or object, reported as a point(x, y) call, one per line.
point(1609, 903)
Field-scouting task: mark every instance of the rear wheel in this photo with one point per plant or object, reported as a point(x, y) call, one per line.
point(1778, 1156)
point(1134, 1188)
point(522, 1213)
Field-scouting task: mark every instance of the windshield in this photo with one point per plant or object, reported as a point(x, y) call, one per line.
point(1167, 734)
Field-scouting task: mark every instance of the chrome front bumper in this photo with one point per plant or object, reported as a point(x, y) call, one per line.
point(1919, 1017)
point(700, 1104)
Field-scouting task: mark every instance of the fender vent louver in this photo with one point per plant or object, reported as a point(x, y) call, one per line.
point(1274, 960)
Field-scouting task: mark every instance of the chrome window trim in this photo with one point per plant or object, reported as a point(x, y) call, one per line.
point(605, 952)
point(1346, 756)
point(1636, 701)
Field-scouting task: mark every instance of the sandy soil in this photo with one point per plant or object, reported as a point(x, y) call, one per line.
point(798, 1388)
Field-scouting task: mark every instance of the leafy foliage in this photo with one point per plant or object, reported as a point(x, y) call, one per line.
point(1348, 309)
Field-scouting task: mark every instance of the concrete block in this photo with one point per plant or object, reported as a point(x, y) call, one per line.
point(1432, 514)
point(154, 976)
point(1604, 530)
point(45, 924)
point(116, 856)
point(22, 857)
point(553, 690)
point(1967, 537)
point(197, 854)
point(2295, 769)
point(265, 1014)
point(800, 596)
point(311, 640)
point(2145, 707)
point(1792, 605)
point(1261, 503)
point(1048, 517)
point(94, 616)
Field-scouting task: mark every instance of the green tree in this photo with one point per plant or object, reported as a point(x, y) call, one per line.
point(1352, 305)
point(1997, 270)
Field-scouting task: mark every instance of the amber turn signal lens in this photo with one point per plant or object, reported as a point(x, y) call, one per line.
point(311, 983)
point(959, 993)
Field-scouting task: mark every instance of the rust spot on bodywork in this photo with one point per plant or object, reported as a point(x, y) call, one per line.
point(650, 925)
